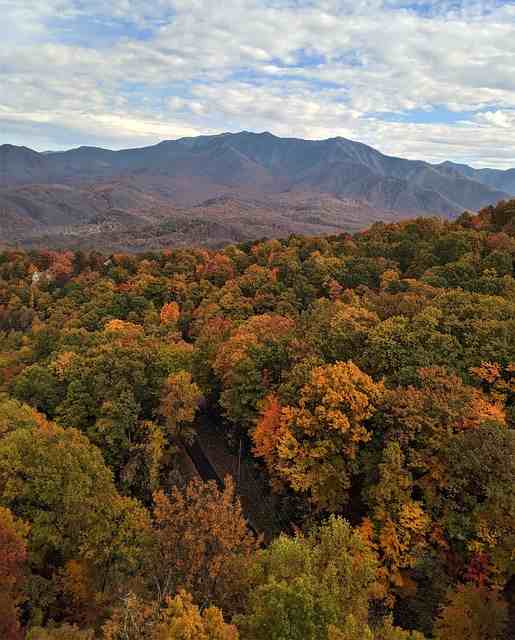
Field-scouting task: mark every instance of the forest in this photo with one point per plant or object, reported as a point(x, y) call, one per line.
point(367, 379)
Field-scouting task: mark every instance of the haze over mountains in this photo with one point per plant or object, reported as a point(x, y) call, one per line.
point(224, 188)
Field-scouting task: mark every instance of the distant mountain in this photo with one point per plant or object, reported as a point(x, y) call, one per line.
point(494, 178)
point(42, 193)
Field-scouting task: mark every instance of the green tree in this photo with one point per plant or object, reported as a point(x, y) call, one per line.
point(304, 584)
point(16, 415)
point(56, 481)
point(38, 387)
point(476, 504)
point(250, 364)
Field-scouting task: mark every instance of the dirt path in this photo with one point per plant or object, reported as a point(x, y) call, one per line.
point(202, 463)
point(268, 512)
point(208, 472)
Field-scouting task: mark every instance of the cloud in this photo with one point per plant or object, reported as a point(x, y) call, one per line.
point(132, 71)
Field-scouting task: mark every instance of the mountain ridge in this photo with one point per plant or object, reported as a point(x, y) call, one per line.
point(157, 180)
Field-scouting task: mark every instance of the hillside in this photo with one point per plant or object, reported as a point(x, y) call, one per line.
point(310, 438)
point(342, 185)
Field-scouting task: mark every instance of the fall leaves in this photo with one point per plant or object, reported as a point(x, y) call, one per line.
point(201, 542)
point(13, 555)
point(313, 445)
point(179, 403)
point(364, 384)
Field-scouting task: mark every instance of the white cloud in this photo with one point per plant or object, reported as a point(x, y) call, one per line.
point(313, 68)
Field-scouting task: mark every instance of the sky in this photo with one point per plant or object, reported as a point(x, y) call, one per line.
point(426, 79)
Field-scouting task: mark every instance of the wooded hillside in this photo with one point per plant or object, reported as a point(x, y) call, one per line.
point(369, 382)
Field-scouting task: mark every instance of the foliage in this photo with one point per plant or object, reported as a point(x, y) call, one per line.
point(179, 404)
point(314, 444)
point(303, 585)
point(367, 376)
point(52, 478)
point(472, 613)
point(201, 542)
point(62, 632)
point(13, 555)
point(401, 523)
point(178, 619)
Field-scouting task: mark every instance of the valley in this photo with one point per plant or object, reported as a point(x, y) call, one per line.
point(213, 190)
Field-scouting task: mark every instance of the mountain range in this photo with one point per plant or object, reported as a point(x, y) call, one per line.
point(224, 188)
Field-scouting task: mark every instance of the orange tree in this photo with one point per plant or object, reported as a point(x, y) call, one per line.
point(313, 445)
point(200, 541)
point(13, 556)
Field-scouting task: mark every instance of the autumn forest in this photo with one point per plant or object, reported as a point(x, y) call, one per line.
point(366, 382)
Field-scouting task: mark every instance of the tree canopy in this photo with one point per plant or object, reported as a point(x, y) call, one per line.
point(363, 386)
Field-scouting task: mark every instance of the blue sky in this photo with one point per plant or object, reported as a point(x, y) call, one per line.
point(422, 79)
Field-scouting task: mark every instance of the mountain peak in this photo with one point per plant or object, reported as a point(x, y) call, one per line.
point(13, 147)
point(193, 169)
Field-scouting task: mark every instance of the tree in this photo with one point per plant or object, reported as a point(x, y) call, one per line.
point(13, 556)
point(476, 504)
point(422, 416)
point(132, 619)
point(472, 613)
point(56, 481)
point(38, 387)
point(210, 336)
point(61, 267)
point(339, 330)
point(200, 540)
point(452, 442)
point(313, 445)
point(499, 384)
point(250, 364)
point(351, 630)
point(178, 619)
point(398, 346)
point(52, 478)
point(303, 585)
point(401, 523)
point(60, 632)
point(114, 389)
point(179, 404)
point(16, 415)
point(182, 620)
point(387, 631)
point(170, 314)
point(482, 324)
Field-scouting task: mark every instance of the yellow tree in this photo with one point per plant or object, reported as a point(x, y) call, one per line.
point(178, 619)
point(400, 523)
point(179, 403)
point(313, 445)
point(182, 620)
